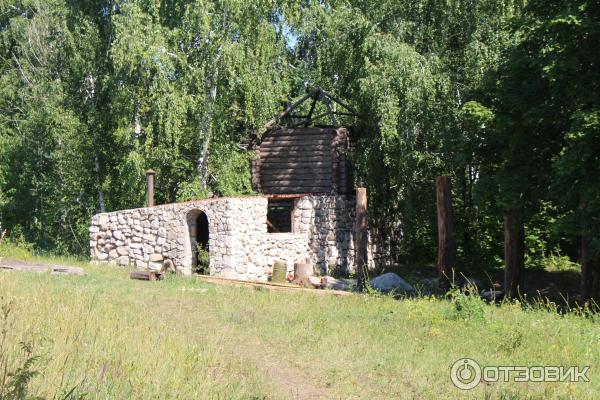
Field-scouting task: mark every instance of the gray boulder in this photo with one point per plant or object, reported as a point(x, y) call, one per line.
point(391, 282)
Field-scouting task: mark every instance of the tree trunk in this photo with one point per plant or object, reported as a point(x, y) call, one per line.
point(446, 242)
point(91, 95)
point(362, 239)
point(590, 272)
point(202, 163)
point(514, 254)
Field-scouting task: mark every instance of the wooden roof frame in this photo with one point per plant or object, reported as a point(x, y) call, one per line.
point(316, 94)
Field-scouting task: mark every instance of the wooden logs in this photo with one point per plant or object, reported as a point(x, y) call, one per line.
point(146, 275)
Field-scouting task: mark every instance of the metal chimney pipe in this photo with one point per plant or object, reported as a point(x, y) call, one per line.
point(150, 187)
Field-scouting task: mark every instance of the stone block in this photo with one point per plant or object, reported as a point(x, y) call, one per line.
point(156, 257)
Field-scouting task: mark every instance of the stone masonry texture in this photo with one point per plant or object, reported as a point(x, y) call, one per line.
point(239, 245)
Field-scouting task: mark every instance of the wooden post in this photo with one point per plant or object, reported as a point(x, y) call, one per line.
point(446, 242)
point(590, 272)
point(586, 269)
point(514, 254)
point(150, 187)
point(362, 226)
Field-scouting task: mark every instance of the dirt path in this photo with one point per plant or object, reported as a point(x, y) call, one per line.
point(288, 380)
point(285, 380)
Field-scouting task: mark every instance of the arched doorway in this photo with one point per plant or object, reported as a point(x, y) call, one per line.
point(199, 239)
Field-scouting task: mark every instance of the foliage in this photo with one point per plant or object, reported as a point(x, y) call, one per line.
point(466, 303)
point(500, 95)
point(203, 257)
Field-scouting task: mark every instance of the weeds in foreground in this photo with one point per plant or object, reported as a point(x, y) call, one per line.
point(16, 375)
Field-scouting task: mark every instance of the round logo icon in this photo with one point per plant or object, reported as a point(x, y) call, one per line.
point(465, 374)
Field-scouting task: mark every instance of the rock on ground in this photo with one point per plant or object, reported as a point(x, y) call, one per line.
point(391, 282)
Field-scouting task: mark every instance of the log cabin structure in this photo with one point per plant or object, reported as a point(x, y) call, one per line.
point(299, 154)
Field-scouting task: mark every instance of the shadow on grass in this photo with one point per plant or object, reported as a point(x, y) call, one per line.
point(540, 285)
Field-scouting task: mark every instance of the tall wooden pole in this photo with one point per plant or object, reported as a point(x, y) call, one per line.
point(150, 187)
point(590, 272)
point(587, 278)
point(446, 242)
point(514, 254)
point(362, 239)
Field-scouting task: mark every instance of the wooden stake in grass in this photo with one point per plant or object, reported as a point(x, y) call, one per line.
point(446, 242)
point(514, 254)
point(362, 226)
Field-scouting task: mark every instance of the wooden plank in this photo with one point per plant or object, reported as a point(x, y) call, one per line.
point(296, 182)
point(300, 179)
point(300, 138)
point(308, 171)
point(22, 266)
point(288, 151)
point(271, 286)
point(317, 141)
point(446, 242)
point(296, 148)
point(299, 131)
point(293, 159)
point(296, 189)
point(297, 174)
point(287, 111)
point(277, 166)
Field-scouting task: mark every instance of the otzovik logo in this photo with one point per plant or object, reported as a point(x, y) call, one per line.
point(466, 374)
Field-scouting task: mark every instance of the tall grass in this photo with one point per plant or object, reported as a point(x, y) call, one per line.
point(105, 336)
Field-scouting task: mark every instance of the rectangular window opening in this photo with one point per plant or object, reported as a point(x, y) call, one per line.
point(279, 216)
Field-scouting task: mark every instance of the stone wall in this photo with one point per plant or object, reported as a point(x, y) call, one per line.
point(329, 222)
point(239, 245)
point(162, 236)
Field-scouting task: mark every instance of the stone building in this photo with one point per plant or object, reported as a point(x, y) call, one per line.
point(305, 212)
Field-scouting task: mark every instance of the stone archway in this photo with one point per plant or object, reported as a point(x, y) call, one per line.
point(199, 234)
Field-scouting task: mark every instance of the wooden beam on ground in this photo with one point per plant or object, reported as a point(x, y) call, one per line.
point(23, 266)
point(362, 239)
point(446, 242)
point(285, 287)
point(146, 275)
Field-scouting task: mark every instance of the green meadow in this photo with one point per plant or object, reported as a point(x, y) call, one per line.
point(105, 336)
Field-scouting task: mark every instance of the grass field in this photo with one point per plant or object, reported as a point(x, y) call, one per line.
point(109, 337)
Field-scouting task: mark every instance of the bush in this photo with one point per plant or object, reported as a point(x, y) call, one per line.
point(466, 303)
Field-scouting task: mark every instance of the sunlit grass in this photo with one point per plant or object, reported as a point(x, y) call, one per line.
point(110, 337)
